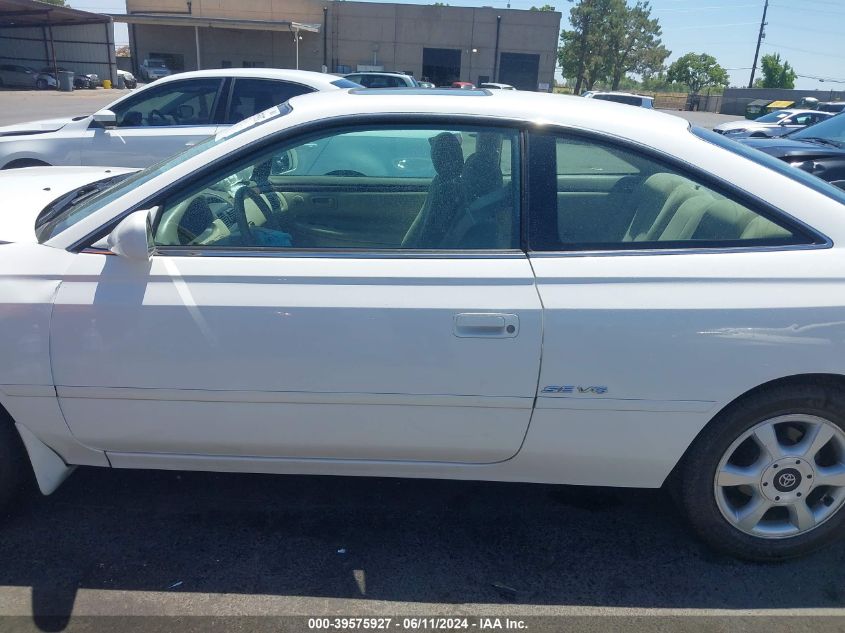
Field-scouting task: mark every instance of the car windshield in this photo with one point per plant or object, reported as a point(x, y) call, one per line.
point(772, 117)
point(805, 178)
point(832, 130)
point(50, 224)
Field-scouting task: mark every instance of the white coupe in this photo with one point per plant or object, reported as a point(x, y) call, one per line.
point(159, 120)
point(449, 284)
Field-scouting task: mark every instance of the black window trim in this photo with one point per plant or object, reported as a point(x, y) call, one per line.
point(304, 130)
point(815, 239)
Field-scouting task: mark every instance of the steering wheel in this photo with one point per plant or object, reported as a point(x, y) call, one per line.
point(247, 237)
point(156, 114)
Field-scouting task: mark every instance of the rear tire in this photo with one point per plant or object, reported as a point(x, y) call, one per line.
point(765, 481)
point(15, 470)
point(41, 84)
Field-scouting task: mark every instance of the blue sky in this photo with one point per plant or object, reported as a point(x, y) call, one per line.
point(806, 32)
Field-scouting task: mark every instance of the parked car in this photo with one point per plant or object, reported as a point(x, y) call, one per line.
point(17, 76)
point(128, 79)
point(425, 84)
point(47, 79)
point(382, 80)
point(622, 97)
point(495, 86)
point(158, 120)
point(832, 106)
point(463, 85)
point(152, 69)
point(819, 150)
point(775, 123)
point(655, 304)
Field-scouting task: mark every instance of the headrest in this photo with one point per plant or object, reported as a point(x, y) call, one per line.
point(446, 155)
point(481, 175)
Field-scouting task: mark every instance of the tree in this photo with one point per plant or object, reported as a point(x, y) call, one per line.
point(697, 71)
point(581, 54)
point(776, 74)
point(545, 7)
point(608, 40)
point(633, 42)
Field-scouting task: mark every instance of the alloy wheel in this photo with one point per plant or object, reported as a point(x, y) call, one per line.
point(783, 477)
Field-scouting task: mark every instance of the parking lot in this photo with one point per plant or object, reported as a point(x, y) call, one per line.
point(189, 544)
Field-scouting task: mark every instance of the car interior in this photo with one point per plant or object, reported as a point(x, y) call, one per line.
point(607, 195)
point(410, 189)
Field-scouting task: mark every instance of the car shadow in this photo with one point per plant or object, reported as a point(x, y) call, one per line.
point(416, 540)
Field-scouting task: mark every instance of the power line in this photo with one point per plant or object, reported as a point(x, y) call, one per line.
point(803, 50)
point(712, 26)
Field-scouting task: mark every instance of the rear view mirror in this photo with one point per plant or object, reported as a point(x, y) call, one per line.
point(132, 238)
point(106, 118)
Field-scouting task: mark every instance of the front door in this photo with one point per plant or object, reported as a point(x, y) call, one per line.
point(270, 324)
point(155, 124)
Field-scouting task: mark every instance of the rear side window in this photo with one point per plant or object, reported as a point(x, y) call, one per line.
point(627, 99)
point(251, 96)
point(620, 199)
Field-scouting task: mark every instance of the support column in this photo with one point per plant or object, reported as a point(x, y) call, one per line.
point(296, 37)
point(197, 40)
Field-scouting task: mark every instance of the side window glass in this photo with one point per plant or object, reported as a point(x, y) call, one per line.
point(252, 96)
point(608, 197)
point(378, 188)
point(188, 102)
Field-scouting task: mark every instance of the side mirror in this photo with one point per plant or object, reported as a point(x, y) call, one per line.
point(132, 238)
point(185, 111)
point(106, 118)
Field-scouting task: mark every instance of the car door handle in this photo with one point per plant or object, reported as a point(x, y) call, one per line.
point(485, 325)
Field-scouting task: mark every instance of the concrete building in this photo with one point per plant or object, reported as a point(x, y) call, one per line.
point(441, 43)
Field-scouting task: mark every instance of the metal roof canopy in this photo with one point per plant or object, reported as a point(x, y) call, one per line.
point(29, 13)
point(219, 23)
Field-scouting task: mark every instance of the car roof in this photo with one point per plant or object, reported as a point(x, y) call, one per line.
point(305, 77)
point(376, 72)
point(509, 104)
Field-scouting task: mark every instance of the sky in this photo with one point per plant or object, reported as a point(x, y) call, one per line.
point(807, 33)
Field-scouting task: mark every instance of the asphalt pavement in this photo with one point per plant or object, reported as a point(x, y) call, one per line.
point(153, 543)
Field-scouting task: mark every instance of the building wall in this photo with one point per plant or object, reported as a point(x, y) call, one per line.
point(83, 48)
point(391, 36)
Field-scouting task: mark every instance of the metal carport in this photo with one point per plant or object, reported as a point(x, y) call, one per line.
point(39, 35)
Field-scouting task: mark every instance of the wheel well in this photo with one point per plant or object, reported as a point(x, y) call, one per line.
point(836, 381)
point(26, 162)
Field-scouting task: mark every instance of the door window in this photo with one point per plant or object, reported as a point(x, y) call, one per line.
point(256, 95)
point(592, 195)
point(189, 102)
point(377, 188)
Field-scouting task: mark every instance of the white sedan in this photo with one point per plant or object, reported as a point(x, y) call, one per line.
point(775, 123)
point(158, 120)
point(473, 285)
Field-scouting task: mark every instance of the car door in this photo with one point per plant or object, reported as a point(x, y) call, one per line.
point(246, 337)
point(156, 123)
point(655, 311)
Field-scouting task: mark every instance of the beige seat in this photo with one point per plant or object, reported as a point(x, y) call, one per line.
point(661, 196)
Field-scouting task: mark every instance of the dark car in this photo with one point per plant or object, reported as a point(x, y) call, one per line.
point(832, 106)
point(80, 80)
point(818, 149)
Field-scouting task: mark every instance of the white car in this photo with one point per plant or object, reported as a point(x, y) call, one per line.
point(775, 123)
point(507, 286)
point(627, 98)
point(152, 69)
point(495, 86)
point(158, 120)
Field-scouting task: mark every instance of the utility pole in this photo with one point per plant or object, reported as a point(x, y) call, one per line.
point(760, 37)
